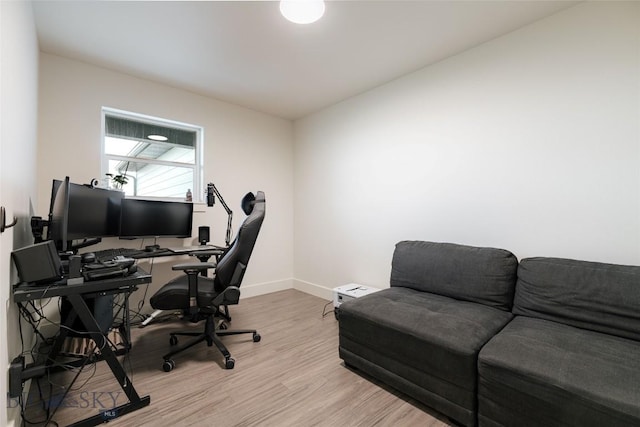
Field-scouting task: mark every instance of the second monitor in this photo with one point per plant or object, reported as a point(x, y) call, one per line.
point(154, 218)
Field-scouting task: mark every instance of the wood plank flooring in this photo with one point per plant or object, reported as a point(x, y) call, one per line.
point(292, 377)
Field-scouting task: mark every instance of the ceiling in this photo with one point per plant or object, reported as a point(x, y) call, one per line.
point(246, 53)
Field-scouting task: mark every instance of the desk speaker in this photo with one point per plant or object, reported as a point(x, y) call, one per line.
point(203, 234)
point(38, 263)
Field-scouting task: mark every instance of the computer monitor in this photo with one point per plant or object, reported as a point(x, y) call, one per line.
point(93, 212)
point(82, 212)
point(59, 214)
point(142, 218)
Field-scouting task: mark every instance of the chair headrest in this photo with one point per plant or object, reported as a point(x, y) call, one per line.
point(247, 203)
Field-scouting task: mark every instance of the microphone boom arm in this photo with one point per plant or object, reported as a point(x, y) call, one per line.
point(212, 188)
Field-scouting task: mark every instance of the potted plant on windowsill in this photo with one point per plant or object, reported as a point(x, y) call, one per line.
point(118, 181)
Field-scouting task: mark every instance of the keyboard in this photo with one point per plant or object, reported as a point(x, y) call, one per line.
point(109, 254)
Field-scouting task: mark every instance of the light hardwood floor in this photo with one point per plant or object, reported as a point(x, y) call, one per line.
point(292, 377)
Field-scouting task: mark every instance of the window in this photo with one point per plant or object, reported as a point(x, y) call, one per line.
point(151, 157)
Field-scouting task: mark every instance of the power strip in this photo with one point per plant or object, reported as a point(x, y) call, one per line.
point(15, 377)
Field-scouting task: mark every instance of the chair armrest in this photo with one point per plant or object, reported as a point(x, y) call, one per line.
point(197, 266)
point(230, 296)
point(193, 269)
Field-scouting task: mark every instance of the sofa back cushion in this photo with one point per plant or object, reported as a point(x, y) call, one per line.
point(482, 275)
point(589, 295)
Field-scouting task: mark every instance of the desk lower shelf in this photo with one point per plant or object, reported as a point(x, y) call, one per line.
point(24, 292)
point(76, 295)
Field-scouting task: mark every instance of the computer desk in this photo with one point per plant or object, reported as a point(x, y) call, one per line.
point(140, 254)
point(76, 294)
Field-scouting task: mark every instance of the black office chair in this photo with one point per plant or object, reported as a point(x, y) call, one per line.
point(202, 296)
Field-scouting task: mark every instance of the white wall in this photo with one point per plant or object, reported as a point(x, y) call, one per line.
point(18, 120)
point(530, 142)
point(244, 151)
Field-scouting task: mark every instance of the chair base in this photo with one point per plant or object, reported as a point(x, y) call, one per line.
point(210, 335)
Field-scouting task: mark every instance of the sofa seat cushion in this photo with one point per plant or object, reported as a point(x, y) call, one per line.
point(589, 295)
point(483, 275)
point(425, 339)
point(537, 372)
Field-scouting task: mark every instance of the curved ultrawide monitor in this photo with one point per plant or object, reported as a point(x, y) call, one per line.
point(93, 212)
point(82, 212)
point(59, 213)
point(142, 218)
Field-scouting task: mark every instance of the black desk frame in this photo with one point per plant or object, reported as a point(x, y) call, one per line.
point(76, 294)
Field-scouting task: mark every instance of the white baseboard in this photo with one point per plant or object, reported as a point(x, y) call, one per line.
point(253, 290)
point(313, 289)
point(247, 291)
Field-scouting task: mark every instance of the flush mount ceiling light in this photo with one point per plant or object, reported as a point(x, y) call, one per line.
point(157, 137)
point(302, 11)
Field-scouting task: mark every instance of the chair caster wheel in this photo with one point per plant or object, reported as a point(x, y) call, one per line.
point(223, 326)
point(173, 340)
point(229, 363)
point(168, 365)
point(256, 337)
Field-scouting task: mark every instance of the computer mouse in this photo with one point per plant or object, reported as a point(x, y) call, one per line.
point(88, 258)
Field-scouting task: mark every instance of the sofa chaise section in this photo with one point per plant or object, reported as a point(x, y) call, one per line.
point(571, 356)
point(423, 334)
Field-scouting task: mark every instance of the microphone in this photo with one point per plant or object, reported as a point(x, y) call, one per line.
point(211, 200)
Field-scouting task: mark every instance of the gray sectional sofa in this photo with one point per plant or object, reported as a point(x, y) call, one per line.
point(486, 340)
